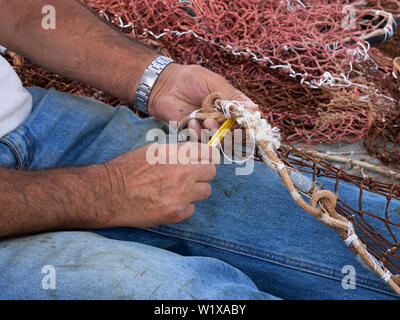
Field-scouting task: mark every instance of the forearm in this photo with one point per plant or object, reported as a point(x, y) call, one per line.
point(33, 201)
point(82, 47)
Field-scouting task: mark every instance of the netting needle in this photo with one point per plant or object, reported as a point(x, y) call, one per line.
point(221, 133)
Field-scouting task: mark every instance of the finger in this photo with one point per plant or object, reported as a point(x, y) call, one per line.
point(211, 124)
point(193, 153)
point(204, 172)
point(196, 127)
point(209, 154)
point(196, 130)
point(252, 107)
point(238, 95)
point(247, 102)
point(201, 191)
point(233, 94)
point(187, 213)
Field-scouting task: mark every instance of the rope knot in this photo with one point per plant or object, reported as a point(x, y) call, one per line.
point(329, 197)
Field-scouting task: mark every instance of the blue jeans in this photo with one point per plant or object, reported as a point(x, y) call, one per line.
point(249, 240)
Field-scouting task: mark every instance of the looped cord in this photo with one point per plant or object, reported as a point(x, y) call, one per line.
point(217, 102)
point(323, 194)
point(225, 107)
point(280, 166)
point(352, 239)
point(194, 113)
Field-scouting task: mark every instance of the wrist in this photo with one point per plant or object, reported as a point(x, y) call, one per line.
point(107, 192)
point(148, 81)
point(88, 209)
point(92, 204)
point(163, 86)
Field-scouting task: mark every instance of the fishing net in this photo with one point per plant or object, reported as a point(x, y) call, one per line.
point(316, 81)
point(377, 231)
point(320, 70)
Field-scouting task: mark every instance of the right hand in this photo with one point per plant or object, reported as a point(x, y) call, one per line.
point(136, 193)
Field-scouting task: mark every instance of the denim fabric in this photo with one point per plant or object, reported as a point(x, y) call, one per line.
point(62, 133)
point(250, 223)
point(89, 266)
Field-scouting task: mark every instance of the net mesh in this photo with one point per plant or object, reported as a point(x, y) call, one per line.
point(384, 246)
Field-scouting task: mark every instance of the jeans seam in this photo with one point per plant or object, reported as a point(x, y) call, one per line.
point(14, 151)
point(265, 256)
point(31, 148)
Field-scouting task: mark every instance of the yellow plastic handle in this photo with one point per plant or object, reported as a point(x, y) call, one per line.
point(221, 133)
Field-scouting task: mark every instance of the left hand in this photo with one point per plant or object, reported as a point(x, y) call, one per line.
point(181, 89)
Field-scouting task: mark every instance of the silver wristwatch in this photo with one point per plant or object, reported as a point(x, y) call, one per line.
point(147, 82)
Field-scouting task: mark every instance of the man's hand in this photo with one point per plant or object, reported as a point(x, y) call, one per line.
point(136, 193)
point(180, 90)
point(127, 191)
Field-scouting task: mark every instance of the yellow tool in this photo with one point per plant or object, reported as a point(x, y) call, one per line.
point(221, 133)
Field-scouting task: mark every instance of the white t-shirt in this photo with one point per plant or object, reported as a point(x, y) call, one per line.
point(15, 100)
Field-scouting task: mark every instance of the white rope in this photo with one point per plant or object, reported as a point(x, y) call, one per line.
point(326, 79)
point(280, 166)
point(342, 80)
point(225, 107)
point(258, 128)
point(352, 238)
point(193, 114)
point(233, 160)
point(386, 277)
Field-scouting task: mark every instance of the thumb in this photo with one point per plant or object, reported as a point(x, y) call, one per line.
point(241, 97)
point(220, 84)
